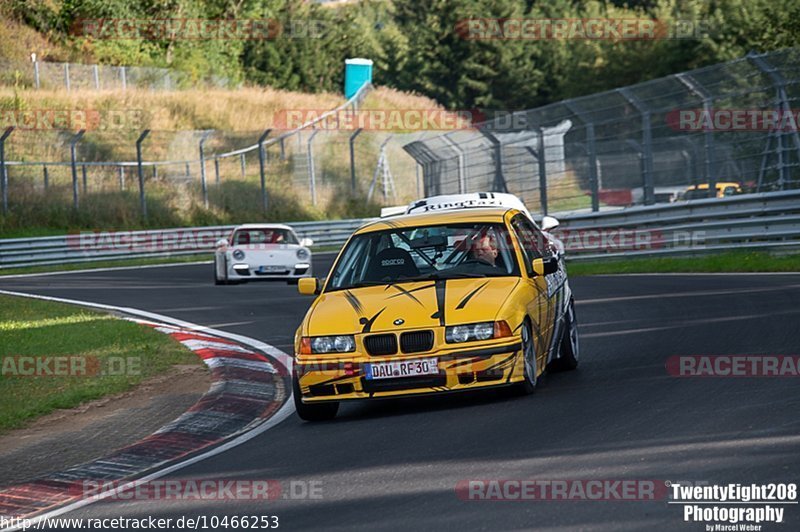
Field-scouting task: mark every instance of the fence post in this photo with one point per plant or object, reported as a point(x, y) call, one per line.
point(188, 173)
point(462, 184)
point(591, 154)
point(261, 169)
point(283, 150)
point(647, 146)
point(594, 181)
point(708, 136)
point(312, 176)
point(46, 177)
point(216, 170)
point(83, 176)
point(66, 76)
point(540, 159)
point(242, 163)
point(497, 150)
point(155, 171)
point(36, 74)
point(203, 168)
point(3, 174)
point(140, 171)
point(353, 159)
point(73, 156)
point(124, 77)
point(121, 172)
point(96, 72)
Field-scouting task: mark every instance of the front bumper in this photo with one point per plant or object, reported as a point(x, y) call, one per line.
point(243, 271)
point(325, 378)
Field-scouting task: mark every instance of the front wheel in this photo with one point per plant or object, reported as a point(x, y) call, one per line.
point(528, 385)
point(217, 280)
point(569, 349)
point(313, 411)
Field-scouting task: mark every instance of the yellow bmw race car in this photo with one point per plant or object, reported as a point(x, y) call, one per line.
point(460, 297)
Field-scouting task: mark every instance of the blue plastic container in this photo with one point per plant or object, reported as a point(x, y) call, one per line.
point(357, 72)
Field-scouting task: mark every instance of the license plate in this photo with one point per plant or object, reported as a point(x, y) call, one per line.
point(272, 269)
point(404, 368)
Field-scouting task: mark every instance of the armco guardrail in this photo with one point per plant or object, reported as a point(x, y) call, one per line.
point(753, 221)
point(120, 245)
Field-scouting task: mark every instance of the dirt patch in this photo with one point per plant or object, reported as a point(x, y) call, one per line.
point(69, 437)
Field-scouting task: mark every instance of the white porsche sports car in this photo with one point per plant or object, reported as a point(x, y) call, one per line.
point(260, 252)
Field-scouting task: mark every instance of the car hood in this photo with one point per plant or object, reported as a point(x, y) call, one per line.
point(408, 305)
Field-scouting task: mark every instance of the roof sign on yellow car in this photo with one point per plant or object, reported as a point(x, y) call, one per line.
point(465, 201)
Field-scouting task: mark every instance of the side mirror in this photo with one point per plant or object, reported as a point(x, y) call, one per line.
point(545, 266)
point(308, 286)
point(548, 223)
point(306, 242)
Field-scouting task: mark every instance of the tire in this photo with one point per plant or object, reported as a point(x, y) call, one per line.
point(528, 385)
point(314, 411)
point(569, 349)
point(217, 280)
point(227, 282)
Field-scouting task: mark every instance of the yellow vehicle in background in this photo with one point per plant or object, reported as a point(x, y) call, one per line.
point(724, 189)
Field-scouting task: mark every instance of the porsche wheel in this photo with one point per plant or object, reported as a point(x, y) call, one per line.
point(569, 349)
point(314, 411)
point(217, 280)
point(528, 385)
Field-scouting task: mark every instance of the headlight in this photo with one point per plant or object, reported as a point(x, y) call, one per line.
point(302, 254)
point(333, 344)
point(476, 331)
point(238, 254)
point(458, 334)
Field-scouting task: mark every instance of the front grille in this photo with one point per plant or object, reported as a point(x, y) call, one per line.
point(381, 344)
point(416, 341)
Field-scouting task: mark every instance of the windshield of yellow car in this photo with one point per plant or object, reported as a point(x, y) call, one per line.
point(425, 253)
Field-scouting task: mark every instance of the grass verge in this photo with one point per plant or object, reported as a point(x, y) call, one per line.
point(753, 261)
point(90, 355)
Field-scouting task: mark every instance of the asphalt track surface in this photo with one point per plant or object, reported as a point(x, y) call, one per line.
point(394, 465)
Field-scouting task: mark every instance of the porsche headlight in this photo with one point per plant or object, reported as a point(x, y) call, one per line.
point(476, 331)
point(238, 254)
point(302, 254)
point(333, 344)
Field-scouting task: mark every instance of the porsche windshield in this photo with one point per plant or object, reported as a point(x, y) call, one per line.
point(261, 235)
point(425, 253)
